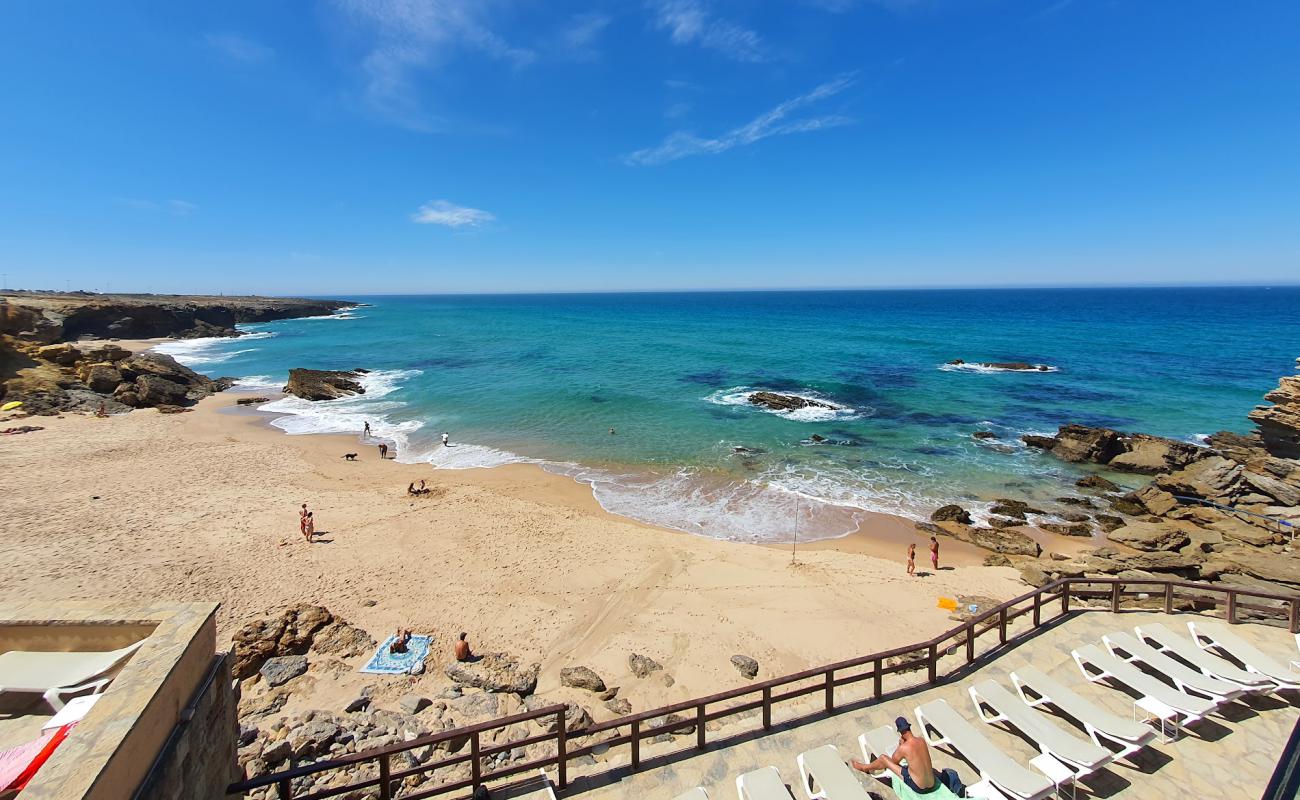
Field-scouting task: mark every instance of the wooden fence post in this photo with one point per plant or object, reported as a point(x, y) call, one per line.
point(562, 747)
point(1002, 625)
point(285, 789)
point(699, 726)
point(830, 690)
point(1169, 597)
point(934, 663)
point(1038, 608)
point(475, 768)
point(636, 743)
point(1114, 597)
point(877, 677)
point(767, 708)
point(1232, 607)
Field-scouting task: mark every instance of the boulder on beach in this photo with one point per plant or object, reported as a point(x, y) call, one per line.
point(581, 678)
point(321, 384)
point(745, 665)
point(642, 666)
point(1006, 540)
point(495, 672)
point(951, 513)
point(786, 402)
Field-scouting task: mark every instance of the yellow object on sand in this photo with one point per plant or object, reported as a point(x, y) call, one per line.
point(947, 604)
point(10, 406)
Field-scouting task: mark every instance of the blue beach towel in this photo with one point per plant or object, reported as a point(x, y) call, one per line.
point(386, 663)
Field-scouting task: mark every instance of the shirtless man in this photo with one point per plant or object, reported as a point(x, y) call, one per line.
point(918, 773)
point(462, 649)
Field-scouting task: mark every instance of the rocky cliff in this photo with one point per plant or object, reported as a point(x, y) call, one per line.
point(47, 317)
point(1279, 424)
point(42, 365)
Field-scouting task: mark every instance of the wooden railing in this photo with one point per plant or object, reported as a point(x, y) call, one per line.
point(1042, 606)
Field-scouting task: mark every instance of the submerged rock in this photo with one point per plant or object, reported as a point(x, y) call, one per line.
point(786, 402)
point(951, 513)
point(1009, 366)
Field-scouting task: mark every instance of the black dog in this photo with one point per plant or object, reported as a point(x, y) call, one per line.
point(350, 456)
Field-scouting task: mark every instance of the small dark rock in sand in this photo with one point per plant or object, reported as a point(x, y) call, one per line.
point(785, 402)
point(642, 666)
point(745, 665)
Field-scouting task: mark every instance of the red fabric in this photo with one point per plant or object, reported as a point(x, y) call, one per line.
point(18, 765)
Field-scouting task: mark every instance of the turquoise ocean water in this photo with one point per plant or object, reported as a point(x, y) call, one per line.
point(544, 378)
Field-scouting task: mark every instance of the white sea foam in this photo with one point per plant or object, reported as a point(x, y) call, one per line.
point(205, 350)
point(739, 396)
point(258, 383)
point(461, 455)
point(981, 368)
point(350, 414)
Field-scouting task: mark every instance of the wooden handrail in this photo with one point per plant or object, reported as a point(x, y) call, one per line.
point(824, 679)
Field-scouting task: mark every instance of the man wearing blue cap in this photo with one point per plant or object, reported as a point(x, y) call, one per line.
point(911, 762)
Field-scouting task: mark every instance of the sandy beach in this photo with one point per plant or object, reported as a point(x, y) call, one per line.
point(203, 506)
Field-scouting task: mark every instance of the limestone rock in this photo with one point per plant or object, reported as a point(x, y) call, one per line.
point(495, 672)
point(1108, 522)
point(745, 665)
point(282, 669)
point(1098, 483)
point(1214, 478)
point(1150, 536)
point(102, 378)
point(581, 678)
point(1279, 424)
point(619, 706)
point(1006, 541)
point(951, 513)
point(997, 560)
point(575, 716)
point(412, 703)
point(1080, 443)
point(786, 402)
point(1150, 455)
point(1156, 500)
point(642, 666)
point(1234, 528)
point(316, 384)
point(312, 738)
point(64, 354)
point(1080, 529)
point(288, 633)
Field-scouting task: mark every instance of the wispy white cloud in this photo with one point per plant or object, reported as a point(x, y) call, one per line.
point(692, 22)
point(443, 212)
point(578, 39)
point(237, 47)
point(782, 120)
point(179, 208)
point(419, 34)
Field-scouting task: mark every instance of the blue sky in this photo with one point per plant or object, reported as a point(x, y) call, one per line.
point(354, 146)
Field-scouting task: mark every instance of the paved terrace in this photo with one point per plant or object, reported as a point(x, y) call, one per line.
point(1232, 753)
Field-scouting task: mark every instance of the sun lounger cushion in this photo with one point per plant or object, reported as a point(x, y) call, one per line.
point(1203, 660)
point(39, 671)
point(833, 777)
point(1244, 651)
point(1139, 681)
point(992, 763)
point(763, 784)
point(1083, 710)
point(1043, 730)
point(1177, 671)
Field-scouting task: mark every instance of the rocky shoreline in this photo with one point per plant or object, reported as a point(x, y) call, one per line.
point(1223, 513)
point(43, 365)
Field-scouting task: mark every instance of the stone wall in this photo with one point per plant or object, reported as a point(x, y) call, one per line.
point(198, 762)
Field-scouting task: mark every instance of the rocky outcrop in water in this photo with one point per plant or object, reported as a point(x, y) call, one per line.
point(1138, 452)
point(322, 384)
point(1279, 423)
point(786, 402)
point(1008, 366)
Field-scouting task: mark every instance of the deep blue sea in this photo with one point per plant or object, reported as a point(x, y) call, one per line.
point(544, 378)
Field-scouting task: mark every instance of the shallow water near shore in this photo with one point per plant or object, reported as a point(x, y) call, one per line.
point(545, 378)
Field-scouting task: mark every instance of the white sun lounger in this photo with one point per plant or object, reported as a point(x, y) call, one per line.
point(54, 675)
point(1207, 634)
point(762, 784)
point(537, 787)
point(994, 766)
point(1190, 708)
point(1082, 756)
point(825, 776)
point(1188, 680)
point(882, 741)
point(697, 793)
point(1131, 736)
point(1166, 641)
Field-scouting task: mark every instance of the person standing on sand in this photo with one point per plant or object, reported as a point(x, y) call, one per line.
point(383, 451)
point(445, 439)
point(311, 526)
point(934, 553)
point(911, 559)
point(366, 433)
point(302, 520)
